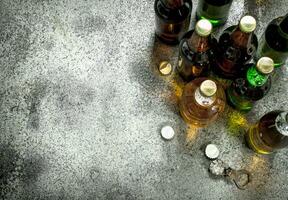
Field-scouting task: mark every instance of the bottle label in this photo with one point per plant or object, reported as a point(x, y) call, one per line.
point(202, 100)
point(281, 123)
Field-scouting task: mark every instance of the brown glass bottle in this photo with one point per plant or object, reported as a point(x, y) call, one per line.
point(269, 134)
point(237, 46)
point(202, 101)
point(172, 19)
point(196, 51)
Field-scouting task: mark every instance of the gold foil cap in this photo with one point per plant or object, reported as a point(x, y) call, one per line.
point(203, 27)
point(208, 88)
point(265, 65)
point(247, 24)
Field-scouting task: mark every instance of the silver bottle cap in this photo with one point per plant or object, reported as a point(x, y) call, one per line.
point(208, 88)
point(211, 151)
point(167, 132)
point(282, 123)
point(265, 65)
point(247, 24)
point(203, 27)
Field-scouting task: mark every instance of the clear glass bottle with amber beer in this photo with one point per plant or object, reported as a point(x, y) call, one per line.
point(172, 19)
point(196, 51)
point(237, 46)
point(269, 134)
point(202, 101)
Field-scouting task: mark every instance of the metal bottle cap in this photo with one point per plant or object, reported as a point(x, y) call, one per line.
point(265, 65)
point(211, 151)
point(203, 27)
point(167, 132)
point(165, 68)
point(247, 24)
point(208, 88)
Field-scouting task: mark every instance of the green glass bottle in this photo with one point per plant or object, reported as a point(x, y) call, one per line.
point(245, 91)
point(215, 11)
point(274, 41)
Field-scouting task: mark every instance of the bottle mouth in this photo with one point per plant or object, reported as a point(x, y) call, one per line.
point(203, 27)
point(247, 24)
point(265, 65)
point(208, 88)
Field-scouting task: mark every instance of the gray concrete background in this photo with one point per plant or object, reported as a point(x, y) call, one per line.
point(81, 108)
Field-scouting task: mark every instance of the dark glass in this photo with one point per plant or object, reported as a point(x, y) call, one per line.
point(242, 94)
point(235, 49)
point(269, 134)
point(215, 11)
point(274, 41)
point(172, 19)
point(196, 54)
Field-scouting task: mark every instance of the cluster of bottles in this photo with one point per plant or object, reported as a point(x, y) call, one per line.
point(203, 59)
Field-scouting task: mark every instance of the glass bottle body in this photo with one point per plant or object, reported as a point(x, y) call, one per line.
point(242, 95)
point(172, 21)
point(267, 135)
point(198, 110)
point(195, 56)
point(274, 43)
point(235, 49)
point(215, 11)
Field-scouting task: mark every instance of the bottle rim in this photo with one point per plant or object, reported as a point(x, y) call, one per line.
point(265, 65)
point(247, 24)
point(203, 27)
point(208, 88)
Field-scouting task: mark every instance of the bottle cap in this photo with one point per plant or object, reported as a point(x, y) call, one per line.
point(203, 27)
point(211, 151)
point(208, 88)
point(247, 24)
point(265, 65)
point(167, 132)
point(165, 68)
point(282, 123)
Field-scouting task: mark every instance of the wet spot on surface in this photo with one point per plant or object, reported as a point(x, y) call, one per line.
point(88, 23)
point(33, 101)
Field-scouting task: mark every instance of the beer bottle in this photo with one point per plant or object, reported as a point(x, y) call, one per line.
point(215, 11)
point(202, 101)
point(244, 91)
point(237, 46)
point(196, 51)
point(172, 19)
point(274, 41)
point(269, 133)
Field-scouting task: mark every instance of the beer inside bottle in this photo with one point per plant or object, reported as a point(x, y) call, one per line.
point(196, 50)
point(269, 134)
point(172, 19)
point(274, 41)
point(215, 11)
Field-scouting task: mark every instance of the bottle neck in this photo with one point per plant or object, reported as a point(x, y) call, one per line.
point(256, 78)
point(283, 27)
point(203, 100)
point(173, 4)
point(240, 38)
point(198, 43)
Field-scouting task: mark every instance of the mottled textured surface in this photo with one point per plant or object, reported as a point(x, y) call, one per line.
point(82, 105)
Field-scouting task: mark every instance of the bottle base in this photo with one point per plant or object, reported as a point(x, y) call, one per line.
point(167, 40)
point(244, 106)
point(249, 142)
